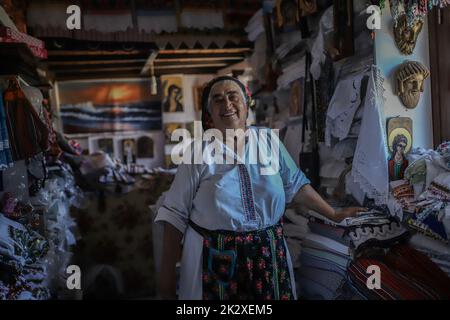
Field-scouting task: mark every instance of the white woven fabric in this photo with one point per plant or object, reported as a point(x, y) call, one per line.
point(370, 166)
point(343, 106)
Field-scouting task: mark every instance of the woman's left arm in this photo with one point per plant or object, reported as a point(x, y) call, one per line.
point(309, 198)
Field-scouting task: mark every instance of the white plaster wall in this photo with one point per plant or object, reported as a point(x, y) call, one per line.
point(388, 58)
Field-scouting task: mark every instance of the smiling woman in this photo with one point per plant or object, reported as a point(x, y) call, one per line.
point(229, 215)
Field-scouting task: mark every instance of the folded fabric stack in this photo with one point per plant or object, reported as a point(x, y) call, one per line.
point(439, 188)
point(429, 215)
point(425, 213)
point(424, 201)
point(324, 258)
point(403, 192)
point(429, 223)
point(328, 250)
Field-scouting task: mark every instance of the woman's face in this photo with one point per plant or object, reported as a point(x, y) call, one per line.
point(227, 106)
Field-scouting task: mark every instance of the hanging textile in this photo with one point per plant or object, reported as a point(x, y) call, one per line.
point(370, 166)
point(27, 133)
point(5, 151)
point(415, 10)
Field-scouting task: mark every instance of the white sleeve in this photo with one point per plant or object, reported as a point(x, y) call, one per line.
point(177, 204)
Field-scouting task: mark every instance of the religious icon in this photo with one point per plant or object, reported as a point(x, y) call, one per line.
point(400, 143)
point(129, 150)
point(295, 101)
point(173, 93)
point(405, 36)
point(410, 77)
point(169, 128)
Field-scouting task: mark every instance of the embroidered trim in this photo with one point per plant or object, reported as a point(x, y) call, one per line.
point(276, 287)
point(246, 193)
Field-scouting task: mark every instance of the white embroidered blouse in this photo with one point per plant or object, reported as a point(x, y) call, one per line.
point(233, 197)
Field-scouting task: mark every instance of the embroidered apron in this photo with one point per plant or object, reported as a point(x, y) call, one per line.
point(245, 265)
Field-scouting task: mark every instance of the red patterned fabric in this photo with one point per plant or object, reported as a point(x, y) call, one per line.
point(418, 266)
point(28, 135)
point(406, 274)
point(394, 286)
point(36, 46)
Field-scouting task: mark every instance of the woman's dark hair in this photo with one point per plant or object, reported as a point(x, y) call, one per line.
point(206, 117)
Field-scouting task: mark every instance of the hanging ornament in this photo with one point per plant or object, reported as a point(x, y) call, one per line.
point(415, 10)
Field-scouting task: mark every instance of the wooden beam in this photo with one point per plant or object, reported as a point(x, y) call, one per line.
point(186, 66)
point(94, 62)
point(205, 51)
point(114, 69)
point(81, 70)
point(95, 52)
point(116, 75)
point(203, 59)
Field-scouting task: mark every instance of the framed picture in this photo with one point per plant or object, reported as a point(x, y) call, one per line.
point(99, 106)
point(172, 93)
point(129, 150)
point(169, 128)
point(400, 142)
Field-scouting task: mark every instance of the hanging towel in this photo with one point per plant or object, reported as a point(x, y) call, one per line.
point(370, 166)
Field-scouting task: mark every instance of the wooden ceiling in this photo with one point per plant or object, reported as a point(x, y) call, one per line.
point(75, 55)
point(76, 64)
